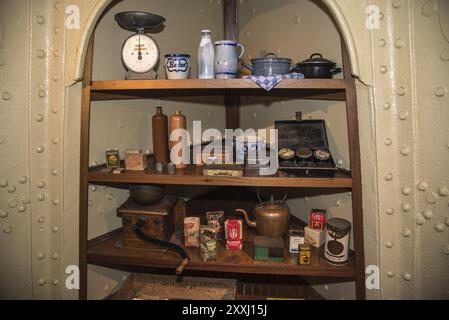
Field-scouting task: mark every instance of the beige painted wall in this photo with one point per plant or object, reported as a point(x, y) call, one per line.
point(403, 117)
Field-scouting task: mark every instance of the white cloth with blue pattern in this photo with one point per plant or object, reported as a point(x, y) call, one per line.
point(269, 82)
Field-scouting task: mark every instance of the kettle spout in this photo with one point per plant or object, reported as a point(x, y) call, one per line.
point(250, 223)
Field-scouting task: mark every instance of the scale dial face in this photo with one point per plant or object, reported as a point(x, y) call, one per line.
point(140, 53)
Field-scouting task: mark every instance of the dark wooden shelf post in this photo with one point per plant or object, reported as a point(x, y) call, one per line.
point(232, 103)
point(356, 173)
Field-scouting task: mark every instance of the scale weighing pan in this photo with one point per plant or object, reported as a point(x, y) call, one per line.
point(137, 20)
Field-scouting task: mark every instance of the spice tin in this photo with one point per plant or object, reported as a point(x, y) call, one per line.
point(337, 241)
point(216, 220)
point(234, 234)
point(295, 238)
point(304, 256)
point(135, 160)
point(112, 158)
point(317, 219)
point(191, 232)
point(208, 244)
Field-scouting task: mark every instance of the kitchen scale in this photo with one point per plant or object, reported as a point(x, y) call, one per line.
point(140, 52)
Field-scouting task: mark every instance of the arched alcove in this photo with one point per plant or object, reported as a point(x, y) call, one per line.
point(101, 9)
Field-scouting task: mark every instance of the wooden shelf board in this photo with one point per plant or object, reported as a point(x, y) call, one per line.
point(193, 175)
point(108, 250)
point(317, 89)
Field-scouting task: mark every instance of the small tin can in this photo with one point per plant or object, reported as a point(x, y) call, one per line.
point(216, 220)
point(112, 158)
point(191, 232)
point(208, 244)
point(295, 238)
point(317, 219)
point(304, 256)
point(234, 234)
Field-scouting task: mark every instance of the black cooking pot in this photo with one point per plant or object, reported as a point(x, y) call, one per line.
point(317, 67)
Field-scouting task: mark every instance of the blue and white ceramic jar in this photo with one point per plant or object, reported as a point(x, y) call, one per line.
point(177, 66)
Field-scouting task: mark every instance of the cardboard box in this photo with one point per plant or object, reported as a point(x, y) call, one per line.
point(314, 237)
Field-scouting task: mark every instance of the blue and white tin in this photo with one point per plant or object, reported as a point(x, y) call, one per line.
point(177, 66)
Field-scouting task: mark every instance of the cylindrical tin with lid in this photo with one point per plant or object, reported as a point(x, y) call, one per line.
point(337, 241)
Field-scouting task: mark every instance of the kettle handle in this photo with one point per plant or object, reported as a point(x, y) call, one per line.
point(284, 198)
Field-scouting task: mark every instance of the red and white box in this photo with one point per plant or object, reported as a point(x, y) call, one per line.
point(234, 234)
point(317, 219)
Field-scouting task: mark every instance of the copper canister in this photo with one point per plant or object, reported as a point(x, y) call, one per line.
point(160, 137)
point(177, 121)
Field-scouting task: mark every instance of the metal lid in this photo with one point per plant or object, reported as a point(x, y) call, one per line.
point(339, 225)
point(271, 57)
point(317, 59)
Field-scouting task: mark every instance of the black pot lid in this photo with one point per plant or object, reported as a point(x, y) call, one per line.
point(317, 59)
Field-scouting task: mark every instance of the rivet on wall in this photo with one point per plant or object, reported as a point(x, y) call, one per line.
point(405, 150)
point(390, 211)
point(56, 30)
point(55, 256)
point(3, 214)
point(41, 184)
point(41, 197)
point(40, 20)
point(55, 229)
point(406, 233)
point(54, 110)
point(40, 53)
point(40, 256)
point(387, 106)
point(420, 220)
point(397, 4)
point(382, 43)
point(41, 282)
point(41, 93)
point(402, 91)
point(390, 274)
point(40, 149)
point(388, 142)
point(56, 78)
point(6, 95)
point(54, 172)
point(440, 92)
point(383, 69)
point(39, 117)
point(439, 227)
point(12, 203)
point(431, 197)
point(427, 213)
point(55, 141)
point(26, 199)
point(429, 8)
point(388, 176)
point(406, 190)
point(55, 282)
point(11, 189)
point(403, 115)
point(3, 183)
point(423, 186)
point(22, 208)
point(23, 179)
point(55, 202)
point(7, 229)
point(399, 43)
point(405, 207)
point(446, 249)
point(407, 276)
point(389, 244)
point(41, 219)
point(443, 191)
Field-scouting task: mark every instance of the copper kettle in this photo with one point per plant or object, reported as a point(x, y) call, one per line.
point(271, 218)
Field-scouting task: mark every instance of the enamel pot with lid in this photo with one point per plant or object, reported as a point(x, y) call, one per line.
point(270, 65)
point(271, 218)
point(317, 67)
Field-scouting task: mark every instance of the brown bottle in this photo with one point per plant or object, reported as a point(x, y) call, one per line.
point(160, 137)
point(177, 121)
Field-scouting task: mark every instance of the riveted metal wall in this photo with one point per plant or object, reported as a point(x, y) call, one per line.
point(403, 115)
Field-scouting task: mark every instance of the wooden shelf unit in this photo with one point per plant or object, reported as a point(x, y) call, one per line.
point(102, 251)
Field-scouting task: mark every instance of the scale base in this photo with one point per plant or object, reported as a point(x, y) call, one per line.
point(151, 75)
